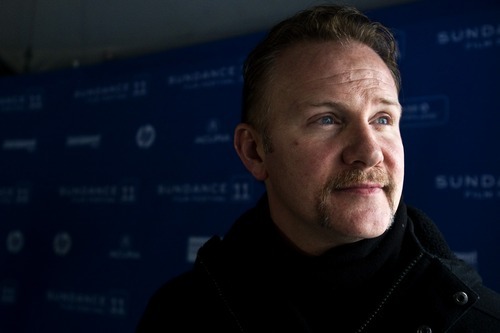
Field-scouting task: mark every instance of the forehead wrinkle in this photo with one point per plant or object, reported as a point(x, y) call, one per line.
point(360, 94)
point(358, 75)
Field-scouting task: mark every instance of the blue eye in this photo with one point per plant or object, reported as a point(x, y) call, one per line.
point(326, 120)
point(383, 121)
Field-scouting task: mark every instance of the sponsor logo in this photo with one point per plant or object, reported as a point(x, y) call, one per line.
point(145, 136)
point(194, 243)
point(62, 243)
point(476, 37)
point(28, 145)
point(125, 250)
point(471, 186)
point(18, 194)
point(15, 241)
point(468, 257)
point(100, 194)
point(22, 102)
point(8, 292)
point(117, 91)
point(111, 304)
point(212, 134)
point(425, 111)
point(401, 42)
point(91, 141)
point(236, 190)
point(221, 76)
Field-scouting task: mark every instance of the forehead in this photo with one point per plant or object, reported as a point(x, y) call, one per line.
point(334, 62)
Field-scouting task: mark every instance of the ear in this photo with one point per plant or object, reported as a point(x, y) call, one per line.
point(248, 145)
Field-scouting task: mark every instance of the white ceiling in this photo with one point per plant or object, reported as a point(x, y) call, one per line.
point(40, 35)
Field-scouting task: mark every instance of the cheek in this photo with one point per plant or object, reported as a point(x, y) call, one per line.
point(311, 159)
point(396, 158)
point(303, 156)
point(400, 155)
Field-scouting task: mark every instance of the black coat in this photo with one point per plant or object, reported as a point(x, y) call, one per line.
point(406, 280)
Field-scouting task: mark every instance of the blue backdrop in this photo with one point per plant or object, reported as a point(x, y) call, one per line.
point(112, 176)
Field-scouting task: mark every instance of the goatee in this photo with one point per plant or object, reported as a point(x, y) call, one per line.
point(350, 178)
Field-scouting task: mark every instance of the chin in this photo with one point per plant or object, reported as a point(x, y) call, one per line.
point(364, 226)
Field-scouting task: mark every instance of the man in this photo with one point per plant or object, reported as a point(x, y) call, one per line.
point(331, 247)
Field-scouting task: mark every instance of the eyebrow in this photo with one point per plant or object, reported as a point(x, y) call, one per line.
point(386, 101)
point(343, 106)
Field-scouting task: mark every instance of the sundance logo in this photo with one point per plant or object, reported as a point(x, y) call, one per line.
point(113, 304)
point(19, 194)
point(479, 186)
point(99, 194)
point(25, 102)
point(474, 37)
point(112, 92)
point(237, 190)
point(224, 75)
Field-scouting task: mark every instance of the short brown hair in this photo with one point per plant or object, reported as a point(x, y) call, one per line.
point(320, 23)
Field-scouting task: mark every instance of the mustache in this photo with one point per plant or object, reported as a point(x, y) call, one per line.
point(353, 177)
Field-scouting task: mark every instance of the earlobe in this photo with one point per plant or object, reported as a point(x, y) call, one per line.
point(249, 148)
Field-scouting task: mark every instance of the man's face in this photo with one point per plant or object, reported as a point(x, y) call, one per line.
point(335, 173)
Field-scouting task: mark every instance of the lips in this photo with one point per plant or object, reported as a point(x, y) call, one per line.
point(361, 188)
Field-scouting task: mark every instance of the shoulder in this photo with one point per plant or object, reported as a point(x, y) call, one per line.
point(489, 302)
point(191, 285)
point(190, 299)
point(485, 313)
point(168, 305)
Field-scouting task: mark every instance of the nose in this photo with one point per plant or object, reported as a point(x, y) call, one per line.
point(362, 148)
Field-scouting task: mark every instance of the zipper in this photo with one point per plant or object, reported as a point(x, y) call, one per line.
point(389, 294)
point(221, 294)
